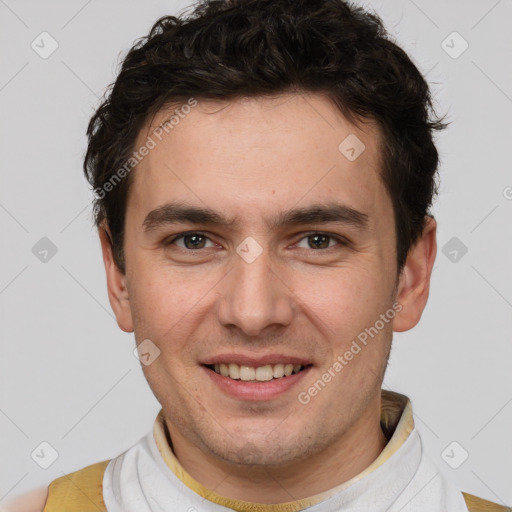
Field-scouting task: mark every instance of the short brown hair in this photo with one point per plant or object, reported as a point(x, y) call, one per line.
point(226, 49)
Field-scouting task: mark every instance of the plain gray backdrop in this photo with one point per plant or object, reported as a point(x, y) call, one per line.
point(68, 374)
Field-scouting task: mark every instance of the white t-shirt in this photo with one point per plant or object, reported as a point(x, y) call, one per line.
point(149, 478)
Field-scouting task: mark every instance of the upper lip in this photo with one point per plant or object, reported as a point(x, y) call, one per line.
point(255, 361)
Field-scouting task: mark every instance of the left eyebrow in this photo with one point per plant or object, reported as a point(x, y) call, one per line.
point(178, 212)
point(321, 214)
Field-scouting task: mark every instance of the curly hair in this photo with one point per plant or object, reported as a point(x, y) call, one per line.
point(225, 49)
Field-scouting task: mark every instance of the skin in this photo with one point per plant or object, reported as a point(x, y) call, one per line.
point(253, 159)
point(33, 501)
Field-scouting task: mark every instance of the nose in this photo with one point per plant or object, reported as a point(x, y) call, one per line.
point(254, 297)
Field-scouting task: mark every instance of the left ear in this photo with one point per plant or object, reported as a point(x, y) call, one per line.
point(414, 280)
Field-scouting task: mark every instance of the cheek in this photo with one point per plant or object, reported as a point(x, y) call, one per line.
point(168, 304)
point(158, 304)
point(344, 300)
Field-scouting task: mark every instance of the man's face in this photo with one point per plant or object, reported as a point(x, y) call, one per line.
point(261, 290)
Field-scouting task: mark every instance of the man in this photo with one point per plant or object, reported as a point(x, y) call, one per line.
point(263, 171)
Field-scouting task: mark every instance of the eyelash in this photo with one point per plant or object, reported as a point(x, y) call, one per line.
point(340, 240)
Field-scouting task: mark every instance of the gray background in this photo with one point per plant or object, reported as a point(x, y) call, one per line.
point(68, 374)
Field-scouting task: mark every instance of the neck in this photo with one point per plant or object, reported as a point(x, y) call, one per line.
point(348, 456)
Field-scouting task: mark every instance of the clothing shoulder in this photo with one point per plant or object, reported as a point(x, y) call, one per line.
point(476, 504)
point(81, 491)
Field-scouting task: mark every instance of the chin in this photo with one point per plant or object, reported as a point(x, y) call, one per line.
point(265, 455)
point(268, 448)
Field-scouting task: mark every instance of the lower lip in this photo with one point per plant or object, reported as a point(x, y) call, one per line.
point(256, 391)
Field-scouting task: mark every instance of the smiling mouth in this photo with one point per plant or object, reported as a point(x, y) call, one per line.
point(256, 374)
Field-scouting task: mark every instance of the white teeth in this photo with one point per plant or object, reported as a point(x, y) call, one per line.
point(234, 371)
point(261, 373)
point(247, 373)
point(278, 370)
point(264, 373)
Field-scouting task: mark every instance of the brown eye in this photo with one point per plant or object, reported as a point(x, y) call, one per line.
point(194, 241)
point(190, 241)
point(319, 241)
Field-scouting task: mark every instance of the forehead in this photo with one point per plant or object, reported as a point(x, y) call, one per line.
point(259, 156)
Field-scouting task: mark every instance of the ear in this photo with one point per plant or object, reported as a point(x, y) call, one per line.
point(414, 280)
point(116, 282)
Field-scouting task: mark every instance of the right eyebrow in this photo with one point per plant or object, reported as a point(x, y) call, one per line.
point(172, 213)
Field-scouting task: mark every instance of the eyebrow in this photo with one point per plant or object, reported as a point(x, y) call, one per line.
point(177, 212)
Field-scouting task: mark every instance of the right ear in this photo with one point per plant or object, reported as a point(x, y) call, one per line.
point(116, 282)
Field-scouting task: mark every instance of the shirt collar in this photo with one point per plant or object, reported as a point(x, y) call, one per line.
point(396, 422)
